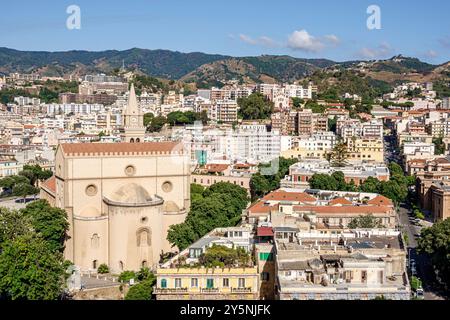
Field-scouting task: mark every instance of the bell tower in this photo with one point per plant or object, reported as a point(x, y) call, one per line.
point(133, 120)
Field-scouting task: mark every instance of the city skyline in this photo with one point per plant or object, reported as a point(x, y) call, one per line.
point(299, 29)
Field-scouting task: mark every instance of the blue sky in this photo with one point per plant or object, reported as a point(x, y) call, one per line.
point(330, 29)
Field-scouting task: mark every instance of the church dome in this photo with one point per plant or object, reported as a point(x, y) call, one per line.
point(132, 194)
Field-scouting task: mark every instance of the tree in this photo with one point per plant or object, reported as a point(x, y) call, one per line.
point(30, 270)
point(50, 222)
point(315, 107)
point(156, 124)
point(439, 146)
point(142, 290)
point(339, 155)
point(332, 124)
point(254, 107)
point(13, 224)
point(11, 181)
point(126, 276)
point(297, 102)
point(144, 274)
point(323, 182)
point(148, 117)
point(435, 242)
point(197, 188)
point(103, 268)
point(261, 184)
point(222, 256)
point(24, 189)
point(371, 185)
point(37, 173)
point(182, 235)
point(365, 222)
point(220, 205)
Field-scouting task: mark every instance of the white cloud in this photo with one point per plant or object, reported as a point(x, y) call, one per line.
point(381, 51)
point(268, 42)
point(301, 40)
point(247, 39)
point(333, 39)
point(263, 40)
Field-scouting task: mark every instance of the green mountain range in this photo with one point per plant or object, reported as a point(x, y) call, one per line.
point(206, 70)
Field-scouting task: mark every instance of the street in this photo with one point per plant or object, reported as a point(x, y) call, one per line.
point(423, 266)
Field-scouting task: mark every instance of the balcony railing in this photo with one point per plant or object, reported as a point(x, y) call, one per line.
point(241, 290)
point(170, 290)
point(209, 290)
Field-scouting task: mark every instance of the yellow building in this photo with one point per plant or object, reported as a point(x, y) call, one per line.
point(191, 283)
point(366, 150)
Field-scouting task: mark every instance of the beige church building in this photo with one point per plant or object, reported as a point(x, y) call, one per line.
point(121, 198)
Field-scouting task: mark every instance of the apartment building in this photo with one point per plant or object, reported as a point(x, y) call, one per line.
point(285, 122)
point(23, 101)
point(365, 149)
point(112, 88)
point(9, 166)
point(223, 111)
point(101, 98)
point(317, 146)
point(327, 211)
point(432, 185)
point(75, 108)
point(301, 172)
point(182, 277)
point(362, 265)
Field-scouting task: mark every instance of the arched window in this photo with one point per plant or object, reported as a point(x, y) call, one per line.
point(144, 264)
point(132, 140)
point(138, 140)
point(120, 265)
point(95, 241)
point(143, 237)
point(94, 264)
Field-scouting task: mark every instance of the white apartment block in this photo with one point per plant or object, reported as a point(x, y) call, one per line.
point(418, 148)
point(85, 108)
point(24, 101)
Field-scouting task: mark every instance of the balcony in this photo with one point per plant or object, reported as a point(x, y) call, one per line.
point(241, 290)
point(171, 290)
point(209, 290)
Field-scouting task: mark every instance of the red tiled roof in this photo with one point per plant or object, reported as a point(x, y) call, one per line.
point(261, 207)
point(216, 167)
point(121, 148)
point(50, 184)
point(264, 232)
point(281, 195)
point(380, 201)
point(341, 201)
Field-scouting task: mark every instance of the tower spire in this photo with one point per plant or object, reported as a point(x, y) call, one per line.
point(132, 107)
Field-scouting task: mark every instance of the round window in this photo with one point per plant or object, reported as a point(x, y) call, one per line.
point(91, 190)
point(130, 170)
point(167, 186)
